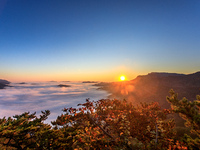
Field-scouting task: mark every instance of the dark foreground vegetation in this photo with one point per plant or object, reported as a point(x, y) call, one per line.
point(106, 124)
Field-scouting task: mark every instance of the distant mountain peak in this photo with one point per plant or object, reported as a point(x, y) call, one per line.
point(3, 83)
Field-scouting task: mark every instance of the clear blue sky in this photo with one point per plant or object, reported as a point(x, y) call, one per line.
point(97, 39)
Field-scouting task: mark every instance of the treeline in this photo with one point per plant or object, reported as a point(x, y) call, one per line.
point(105, 124)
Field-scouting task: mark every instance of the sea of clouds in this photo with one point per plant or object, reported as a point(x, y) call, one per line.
point(40, 96)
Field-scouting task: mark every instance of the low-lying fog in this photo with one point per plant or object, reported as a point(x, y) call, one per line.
point(34, 97)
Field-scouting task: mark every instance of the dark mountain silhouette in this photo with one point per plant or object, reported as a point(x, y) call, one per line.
point(63, 85)
point(89, 82)
point(155, 87)
point(3, 83)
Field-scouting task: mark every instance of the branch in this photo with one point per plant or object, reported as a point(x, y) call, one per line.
point(95, 122)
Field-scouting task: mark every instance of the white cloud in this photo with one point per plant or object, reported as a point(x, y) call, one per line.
point(45, 95)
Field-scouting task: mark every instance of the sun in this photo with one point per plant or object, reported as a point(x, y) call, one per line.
point(122, 78)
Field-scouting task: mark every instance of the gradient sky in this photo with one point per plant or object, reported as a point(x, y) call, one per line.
point(97, 39)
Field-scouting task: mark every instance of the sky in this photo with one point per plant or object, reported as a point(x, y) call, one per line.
point(42, 40)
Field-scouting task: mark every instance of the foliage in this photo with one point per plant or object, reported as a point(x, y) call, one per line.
point(26, 131)
point(116, 124)
point(189, 111)
point(103, 124)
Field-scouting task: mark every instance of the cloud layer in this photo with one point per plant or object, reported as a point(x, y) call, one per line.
point(34, 97)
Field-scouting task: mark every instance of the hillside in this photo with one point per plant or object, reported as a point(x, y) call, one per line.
point(155, 87)
point(3, 83)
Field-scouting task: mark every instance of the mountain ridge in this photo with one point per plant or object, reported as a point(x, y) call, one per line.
point(155, 86)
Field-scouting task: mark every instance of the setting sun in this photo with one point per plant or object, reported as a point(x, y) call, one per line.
point(122, 78)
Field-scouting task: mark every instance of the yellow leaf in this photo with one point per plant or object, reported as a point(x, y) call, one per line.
point(86, 129)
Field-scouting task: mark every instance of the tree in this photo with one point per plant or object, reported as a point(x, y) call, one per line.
point(103, 124)
point(189, 111)
point(26, 131)
point(116, 124)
